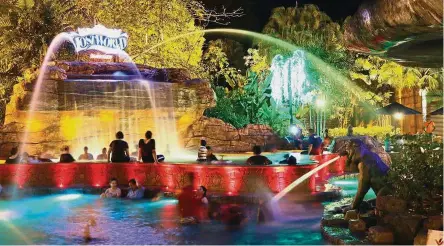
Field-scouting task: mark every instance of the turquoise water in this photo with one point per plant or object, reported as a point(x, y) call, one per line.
point(350, 187)
point(62, 219)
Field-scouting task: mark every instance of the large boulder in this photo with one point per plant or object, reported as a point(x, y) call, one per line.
point(380, 235)
point(409, 32)
point(224, 137)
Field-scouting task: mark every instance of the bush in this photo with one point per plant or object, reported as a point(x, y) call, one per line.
point(228, 109)
point(416, 174)
point(378, 131)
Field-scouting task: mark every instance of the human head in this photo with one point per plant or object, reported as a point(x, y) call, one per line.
point(311, 131)
point(119, 135)
point(104, 151)
point(148, 134)
point(132, 184)
point(14, 151)
point(113, 182)
point(85, 149)
point(203, 142)
point(257, 150)
point(291, 160)
point(209, 150)
point(65, 148)
point(203, 190)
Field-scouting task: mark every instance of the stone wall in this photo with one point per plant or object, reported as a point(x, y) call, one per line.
point(223, 137)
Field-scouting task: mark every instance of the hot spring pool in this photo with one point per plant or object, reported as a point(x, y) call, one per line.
point(61, 219)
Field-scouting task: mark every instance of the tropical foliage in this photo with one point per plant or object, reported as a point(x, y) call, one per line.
point(378, 131)
point(416, 174)
point(27, 28)
point(380, 78)
point(309, 28)
point(149, 23)
point(242, 98)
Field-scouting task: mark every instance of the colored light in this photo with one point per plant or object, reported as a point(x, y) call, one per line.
point(6, 215)
point(294, 130)
point(320, 103)
point(398, 116)
point(68, 197)
point(289, 79)
point(97, 185)
point(61, 185)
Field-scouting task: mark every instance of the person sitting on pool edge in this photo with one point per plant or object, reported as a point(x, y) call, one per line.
point(66, 157)
point(14, 157)
point(210, 156)
point(147, 149)
point(118, 149)
point(202, 152)
point(113, 191)
point(102, 156)
point(135, 191)
point(315, 143)
point(86, 156)
point(257, 159)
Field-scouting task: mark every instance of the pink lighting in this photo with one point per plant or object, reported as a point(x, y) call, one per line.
point(229, 179)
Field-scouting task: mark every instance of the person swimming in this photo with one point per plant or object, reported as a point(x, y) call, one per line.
point(113, 191)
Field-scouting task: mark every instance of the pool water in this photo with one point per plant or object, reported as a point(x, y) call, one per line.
point(349, 187)
point(62, 219)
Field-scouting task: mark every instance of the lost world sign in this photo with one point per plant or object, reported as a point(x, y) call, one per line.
point(99, 38)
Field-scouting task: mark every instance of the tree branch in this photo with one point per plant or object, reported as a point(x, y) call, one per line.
point(206, 16)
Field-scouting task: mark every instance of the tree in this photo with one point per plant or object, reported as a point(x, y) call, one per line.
point(309, 28)
point(382, 77)
point(149, 23)
point(28, 27)
point(218, 66)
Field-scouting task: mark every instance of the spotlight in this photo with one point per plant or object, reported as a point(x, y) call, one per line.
point(294, 129)
point(398, 116)
point(320, 103)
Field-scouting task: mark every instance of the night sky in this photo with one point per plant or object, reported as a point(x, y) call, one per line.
point(257, 11)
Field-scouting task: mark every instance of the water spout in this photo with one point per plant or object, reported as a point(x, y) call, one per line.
point(287, 189)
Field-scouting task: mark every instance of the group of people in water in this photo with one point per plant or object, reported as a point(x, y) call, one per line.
point(192, 203)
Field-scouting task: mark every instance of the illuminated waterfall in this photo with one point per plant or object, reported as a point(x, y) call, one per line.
point(289, 79)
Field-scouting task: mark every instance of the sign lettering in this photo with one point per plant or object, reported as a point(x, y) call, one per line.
point(99, 38)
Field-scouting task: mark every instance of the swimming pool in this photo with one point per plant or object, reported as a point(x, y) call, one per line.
point(62, 218)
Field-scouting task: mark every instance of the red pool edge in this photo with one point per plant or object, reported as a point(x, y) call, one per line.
point(227, 179)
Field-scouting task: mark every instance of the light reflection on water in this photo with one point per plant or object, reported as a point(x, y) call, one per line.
point(51, 220)
point(61, 219)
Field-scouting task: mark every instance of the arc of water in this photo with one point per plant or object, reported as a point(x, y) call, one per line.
point(55, 44)
point(287, 189)
point(319, 64)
